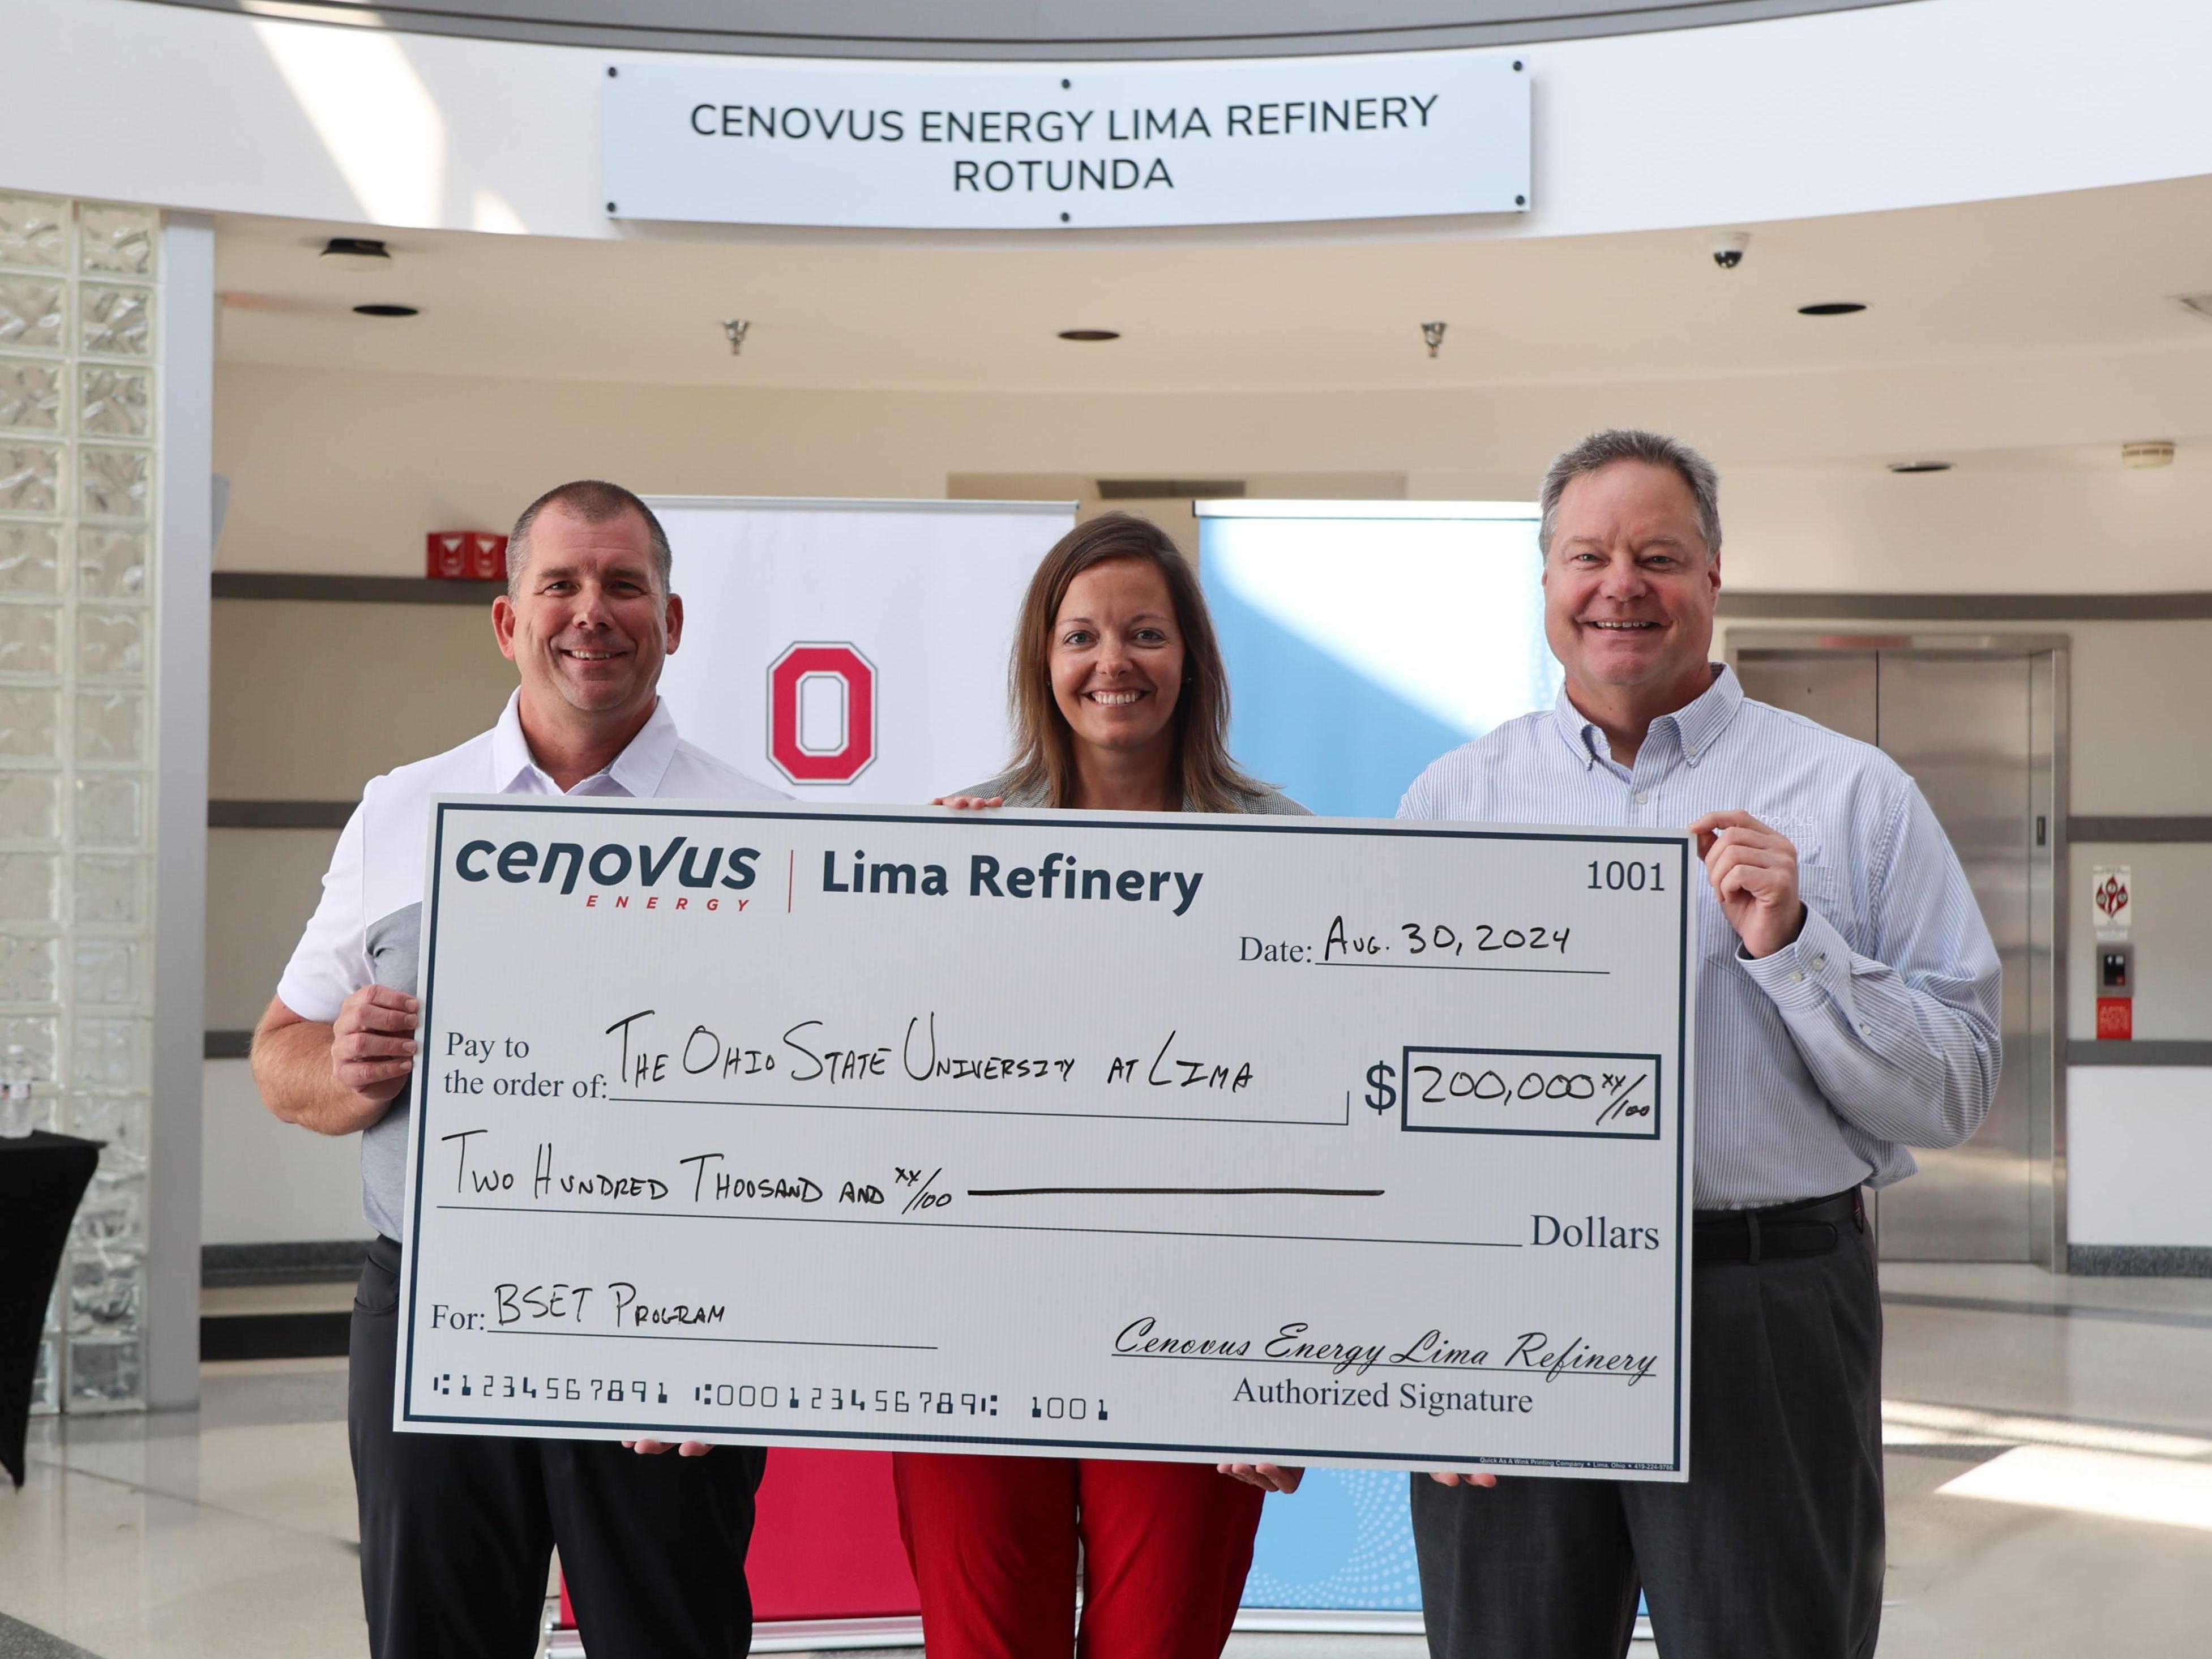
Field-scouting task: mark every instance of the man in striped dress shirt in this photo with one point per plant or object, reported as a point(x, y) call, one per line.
point(1847, 1010)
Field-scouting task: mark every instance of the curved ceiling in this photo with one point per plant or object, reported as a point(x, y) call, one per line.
point(2086, 277)
point(1047, 29)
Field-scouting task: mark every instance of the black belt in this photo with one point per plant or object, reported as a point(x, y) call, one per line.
point(1778, 1232)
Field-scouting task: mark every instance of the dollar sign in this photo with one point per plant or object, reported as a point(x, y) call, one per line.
point(1381, 1093)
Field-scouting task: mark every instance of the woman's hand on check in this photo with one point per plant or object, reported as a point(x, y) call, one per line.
point(1268, 1477)
point(1453, 1478)
point(654, 1447)
point(967, 803)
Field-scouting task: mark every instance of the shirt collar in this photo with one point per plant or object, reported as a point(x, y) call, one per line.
point(1698, 724)
point(639, 770)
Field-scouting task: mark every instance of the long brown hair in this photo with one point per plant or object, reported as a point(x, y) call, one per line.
point(1044, 747)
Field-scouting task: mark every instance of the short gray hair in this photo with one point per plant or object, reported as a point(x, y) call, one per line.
point(1620, 443)
point(595, 501)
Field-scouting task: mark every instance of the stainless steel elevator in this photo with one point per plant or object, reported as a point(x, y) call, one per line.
point(1980, 722)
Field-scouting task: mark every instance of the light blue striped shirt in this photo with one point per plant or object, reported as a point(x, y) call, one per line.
point(1877, 1029)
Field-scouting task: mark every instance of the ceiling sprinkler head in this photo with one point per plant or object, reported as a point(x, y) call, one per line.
point(1433, 333)
point(735, 328)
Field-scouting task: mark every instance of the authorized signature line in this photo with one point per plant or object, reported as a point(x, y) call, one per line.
point(749, 1341)
point(1175, 1191)
point(983, 1226)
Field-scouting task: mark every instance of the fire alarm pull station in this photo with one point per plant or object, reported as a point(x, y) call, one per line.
point(2116, 990)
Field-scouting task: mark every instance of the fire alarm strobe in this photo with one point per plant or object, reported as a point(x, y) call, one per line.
point(465, 556)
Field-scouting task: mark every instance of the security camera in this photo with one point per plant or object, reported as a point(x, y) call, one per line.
point(1728, 246)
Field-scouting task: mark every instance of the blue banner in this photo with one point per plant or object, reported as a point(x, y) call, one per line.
point(1363, 639)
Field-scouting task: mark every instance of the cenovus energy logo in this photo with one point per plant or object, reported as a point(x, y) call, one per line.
point(800, 682)
point(609, 865)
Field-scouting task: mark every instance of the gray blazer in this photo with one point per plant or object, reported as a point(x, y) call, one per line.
point(1268, 803)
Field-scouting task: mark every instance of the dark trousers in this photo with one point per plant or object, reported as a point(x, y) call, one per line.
point(1772, 1550)
point(457, 1532)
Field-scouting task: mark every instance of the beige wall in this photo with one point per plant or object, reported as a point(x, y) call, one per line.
point(310, 700)
point(2171, 932)
point(266, 1182)
point(263, 885)
point(344, 472)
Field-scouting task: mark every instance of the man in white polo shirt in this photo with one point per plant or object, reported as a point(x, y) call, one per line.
point(456, 1532)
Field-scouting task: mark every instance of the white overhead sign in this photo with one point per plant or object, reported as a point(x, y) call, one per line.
point(757, 141)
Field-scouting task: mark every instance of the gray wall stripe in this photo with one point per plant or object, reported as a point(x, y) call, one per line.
point(1969, 607)
point(2140, 1261)
point(278, 814)
point(2088, 1051)
point(1735, 603)
point(2090, 827)
point(351, 590)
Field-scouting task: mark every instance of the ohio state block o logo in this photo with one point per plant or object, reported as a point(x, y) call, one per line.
point(788, 683)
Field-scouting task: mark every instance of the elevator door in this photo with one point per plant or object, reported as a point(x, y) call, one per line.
point(1964, 727)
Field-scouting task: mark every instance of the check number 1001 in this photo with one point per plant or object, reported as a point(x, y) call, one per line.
point(1617, 876)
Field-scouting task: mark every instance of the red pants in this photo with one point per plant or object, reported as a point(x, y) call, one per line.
point(992, 1541)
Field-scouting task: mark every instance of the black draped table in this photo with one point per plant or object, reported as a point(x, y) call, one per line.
point(42, 1177)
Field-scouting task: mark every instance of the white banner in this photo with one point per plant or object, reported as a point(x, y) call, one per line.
point(1144, 1136)
point(967, 146)
point(851, 651)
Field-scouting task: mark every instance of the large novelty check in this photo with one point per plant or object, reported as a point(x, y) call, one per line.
point(1182, 1137)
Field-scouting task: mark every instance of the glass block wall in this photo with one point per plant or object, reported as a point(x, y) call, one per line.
point(80, 300)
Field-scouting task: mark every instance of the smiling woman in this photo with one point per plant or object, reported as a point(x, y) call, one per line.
point(1120, 703)
point(1120, 698)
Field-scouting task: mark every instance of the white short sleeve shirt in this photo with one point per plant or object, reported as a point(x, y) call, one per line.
point(367, 928)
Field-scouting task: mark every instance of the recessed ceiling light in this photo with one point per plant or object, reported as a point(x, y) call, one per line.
point(1090, 334)
point(1920, 466)
point(386, 311)
point(1831, 308)
point(358, 254)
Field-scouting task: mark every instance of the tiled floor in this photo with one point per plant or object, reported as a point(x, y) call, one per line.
point(2050, 1471)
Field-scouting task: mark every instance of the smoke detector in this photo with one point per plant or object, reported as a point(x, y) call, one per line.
point(2146, 453)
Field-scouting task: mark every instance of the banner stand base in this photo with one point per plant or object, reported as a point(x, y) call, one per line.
point(789, 1635)
point(814, 1635)
point(1332, 1621)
